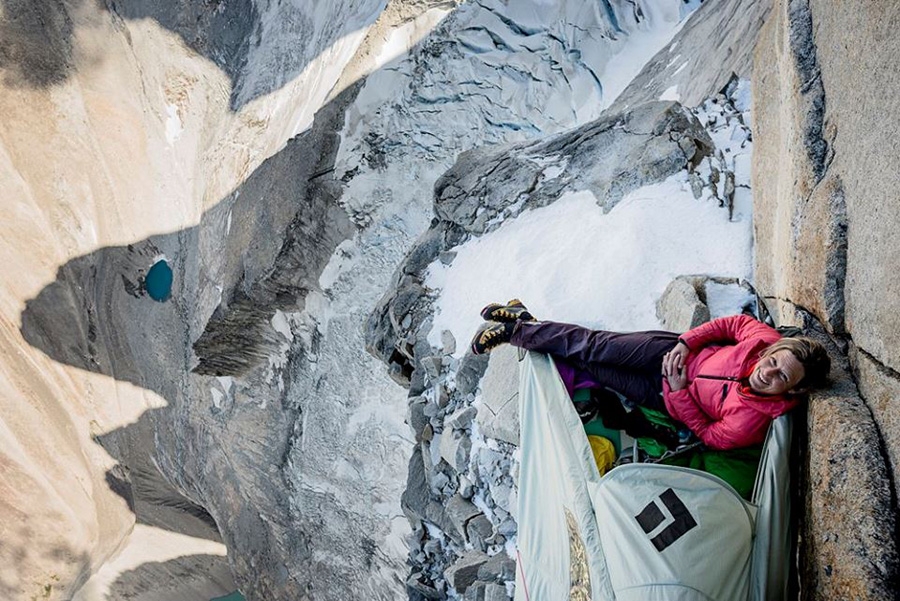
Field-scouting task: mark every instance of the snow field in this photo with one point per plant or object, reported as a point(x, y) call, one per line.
point(571, 262)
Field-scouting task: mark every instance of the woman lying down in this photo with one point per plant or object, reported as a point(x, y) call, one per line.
point(726, 380)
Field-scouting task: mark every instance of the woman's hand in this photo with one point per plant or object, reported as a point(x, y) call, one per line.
point(673, 367)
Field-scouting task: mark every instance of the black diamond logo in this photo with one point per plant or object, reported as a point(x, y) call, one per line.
point(652, 516)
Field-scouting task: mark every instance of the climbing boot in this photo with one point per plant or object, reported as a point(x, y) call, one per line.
point(492, 335)
point(514, 310)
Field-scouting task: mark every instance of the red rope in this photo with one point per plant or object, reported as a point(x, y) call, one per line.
point(522, 571)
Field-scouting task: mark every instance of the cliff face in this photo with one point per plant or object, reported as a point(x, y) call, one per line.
point(281, 158)
point(130, 132)
point(242, 409)
point(826, 111)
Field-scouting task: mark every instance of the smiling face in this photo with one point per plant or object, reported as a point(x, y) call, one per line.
point(776, 373)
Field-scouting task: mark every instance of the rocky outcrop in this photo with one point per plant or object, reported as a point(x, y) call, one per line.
point(244, 407)
point(691, 300)
point(714, 45)
point(128, 139)
point(175, 460)
point(824, 246)
point(454, 462)
point(610, 157)
point(848, 542)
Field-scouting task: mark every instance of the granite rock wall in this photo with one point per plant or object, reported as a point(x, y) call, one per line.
point(826, 108)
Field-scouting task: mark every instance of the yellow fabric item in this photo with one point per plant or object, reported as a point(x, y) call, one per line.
point(604, 452)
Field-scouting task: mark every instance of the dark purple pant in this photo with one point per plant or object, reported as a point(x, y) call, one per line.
point(629, 363)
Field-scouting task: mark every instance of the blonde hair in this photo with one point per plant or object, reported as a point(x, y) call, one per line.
point(811, 355)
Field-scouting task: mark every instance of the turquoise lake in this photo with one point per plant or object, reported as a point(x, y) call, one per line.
point(159, 281)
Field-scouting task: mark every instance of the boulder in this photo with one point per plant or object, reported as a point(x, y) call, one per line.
point(455, 448)
point(448, 342)
point(464, 570)
point(680, 307)
point(690, 300)
point(462, 418)
point(417, 495)
point(486, 591)
point(460, 511)
point(611, 157)
point(498, 414)
point(417, 588)
point(416, 417)
point(499, 568)
point(471, 368)
point(478, 531)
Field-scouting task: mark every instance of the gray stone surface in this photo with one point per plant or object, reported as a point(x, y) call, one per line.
point(455, 448)
point(824, 144)
point(611, 157)
point(849, 536)
point(416, 417)
point(716, 42)
point(680, 308)
point(460, 511)
point(498, 414)
point(499, 568)
point(478, 531)
point(486, 591)
point(462, 418)
point(471, 369)
point(417, 495)
point(464, 570)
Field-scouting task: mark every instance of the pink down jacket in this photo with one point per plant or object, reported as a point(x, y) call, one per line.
point(717, 404)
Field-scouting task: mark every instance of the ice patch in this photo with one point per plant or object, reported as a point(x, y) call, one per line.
point(342, 259)
point(407, 35)
point(280, 323)
point(227, 382)
point(174, 126)
point(726, 299)
point(552, 172)
point(671, 93)
point(742, 96)
point(217, 397)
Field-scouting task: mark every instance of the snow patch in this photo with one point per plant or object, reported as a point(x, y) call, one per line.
point(280, 324)
point(342, 259)
point(217, 397)
point(671, 93)
point(174, 126)
point(227, 382)
point(641, 46)
point(400, 40)
point(726, 299)
point(571, 262)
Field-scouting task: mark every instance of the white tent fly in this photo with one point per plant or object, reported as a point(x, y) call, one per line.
point(642, 531)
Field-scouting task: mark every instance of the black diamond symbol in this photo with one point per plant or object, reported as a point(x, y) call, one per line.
point(651, 516)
